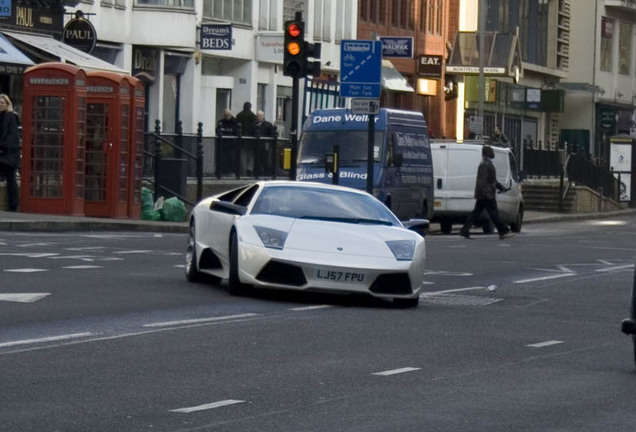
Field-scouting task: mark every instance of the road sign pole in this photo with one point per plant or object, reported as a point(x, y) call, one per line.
point(370, 154)
point(294, 128)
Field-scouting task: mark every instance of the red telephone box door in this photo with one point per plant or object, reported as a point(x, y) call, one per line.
point(107, 127)
point(99, 141)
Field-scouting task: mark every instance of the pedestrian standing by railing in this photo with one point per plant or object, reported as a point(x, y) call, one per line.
point(227, 126)
point(264, 129)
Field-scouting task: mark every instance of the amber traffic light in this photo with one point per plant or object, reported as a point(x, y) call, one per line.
point(294, 59)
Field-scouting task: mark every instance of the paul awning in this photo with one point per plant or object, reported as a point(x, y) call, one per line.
point(11, 59)
point(502, 55)
point(63, 51)
point(392, 79)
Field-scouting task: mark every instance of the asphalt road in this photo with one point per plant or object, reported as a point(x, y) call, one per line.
point(101, 332)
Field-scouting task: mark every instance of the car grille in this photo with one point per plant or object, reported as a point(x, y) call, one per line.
point(283, 274)
point(393, 283)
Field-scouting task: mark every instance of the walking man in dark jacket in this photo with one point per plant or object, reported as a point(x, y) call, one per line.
point(486, 188)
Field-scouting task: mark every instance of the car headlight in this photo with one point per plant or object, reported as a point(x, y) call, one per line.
point(271, 238)
point(403, 250)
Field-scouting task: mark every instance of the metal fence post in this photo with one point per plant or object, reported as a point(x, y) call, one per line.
point(200, 161)
point(179, 139)
point(218, 142)
point(157, 156)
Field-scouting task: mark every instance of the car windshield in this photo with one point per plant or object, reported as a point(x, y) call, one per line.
point(353, 145)
point(323, 204)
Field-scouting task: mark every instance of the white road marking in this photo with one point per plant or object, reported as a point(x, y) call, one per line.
point(396, 371)
point(86, 248)
point(545, 344)
point(537, 279)
point(610, 269)
point(82, 267)
point(133, 252)
point(25, 270)
point(208, 406)
point(446, 273)
point(200, 320)
point(179, 265)
point(306, 308)
point(434, 293)
point(46, 339)
point(31, 255)
point(23, 297)
point(87, 258)
point(35, 244)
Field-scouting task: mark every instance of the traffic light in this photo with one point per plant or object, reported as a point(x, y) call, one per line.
point(294, 59)
point(312, 50)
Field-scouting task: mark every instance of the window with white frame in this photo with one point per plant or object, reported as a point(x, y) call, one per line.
point(318, 19)
point(236, 11)
point(607, 44)
point(625, 48)
point(267, 15)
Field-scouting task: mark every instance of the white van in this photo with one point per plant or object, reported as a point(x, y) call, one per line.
point(455, 172)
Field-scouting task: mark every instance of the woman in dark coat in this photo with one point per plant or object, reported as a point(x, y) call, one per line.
point(9, 149)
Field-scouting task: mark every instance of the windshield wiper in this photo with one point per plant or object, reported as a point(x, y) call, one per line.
point(348, 220)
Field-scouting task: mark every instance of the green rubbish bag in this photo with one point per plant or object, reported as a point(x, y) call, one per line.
point(148, 211)
point(173, 210)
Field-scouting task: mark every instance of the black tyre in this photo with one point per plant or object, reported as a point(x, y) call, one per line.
point(407, 302)
point(634, 340)
point(191, 269)
point(446, 225)
point(236, 287)
point(516, 226)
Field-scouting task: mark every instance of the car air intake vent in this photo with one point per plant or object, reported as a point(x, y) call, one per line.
point(209, 260)
point(283, 274)
point(394, 283)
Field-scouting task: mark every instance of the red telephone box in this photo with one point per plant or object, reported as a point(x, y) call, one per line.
point(136, 149)
point(107, 145)
point(53, 130)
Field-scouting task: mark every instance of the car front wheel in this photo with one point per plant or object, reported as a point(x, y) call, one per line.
point(236, 287)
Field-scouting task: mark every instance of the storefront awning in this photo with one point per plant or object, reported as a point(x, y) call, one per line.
point(502, 55)
point(64, 52)
point(392, 79)
point(11, 59)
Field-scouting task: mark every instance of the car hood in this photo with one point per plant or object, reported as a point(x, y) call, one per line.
point(329, 237)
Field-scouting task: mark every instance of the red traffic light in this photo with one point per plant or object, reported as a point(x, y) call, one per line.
point(294, 30)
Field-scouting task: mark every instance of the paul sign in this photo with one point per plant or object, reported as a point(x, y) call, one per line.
point(80, 34)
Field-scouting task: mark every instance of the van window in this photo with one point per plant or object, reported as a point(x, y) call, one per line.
point(353, 145)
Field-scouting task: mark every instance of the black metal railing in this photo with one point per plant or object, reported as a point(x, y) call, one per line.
point(208, 157)
point(545, 163)
point(582, 171)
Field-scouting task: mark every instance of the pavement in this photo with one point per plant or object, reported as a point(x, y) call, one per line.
point(56, 223)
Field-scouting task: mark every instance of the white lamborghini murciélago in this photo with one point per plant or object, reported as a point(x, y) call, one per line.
point(306, 236)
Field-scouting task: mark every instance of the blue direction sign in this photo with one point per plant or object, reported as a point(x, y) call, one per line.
point(360, 68)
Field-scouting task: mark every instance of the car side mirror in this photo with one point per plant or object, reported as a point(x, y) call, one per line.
point(420, 226)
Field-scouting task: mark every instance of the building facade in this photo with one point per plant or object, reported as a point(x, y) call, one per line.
point(427, 23)
point(526, 57)
point(601, 88)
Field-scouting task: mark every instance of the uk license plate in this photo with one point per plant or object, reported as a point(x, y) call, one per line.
point(339, 276)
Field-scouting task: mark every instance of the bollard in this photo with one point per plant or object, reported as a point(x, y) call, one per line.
point(200, 161)
point(157, 156)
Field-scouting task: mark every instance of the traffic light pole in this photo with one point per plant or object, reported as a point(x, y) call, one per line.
point(294, 128)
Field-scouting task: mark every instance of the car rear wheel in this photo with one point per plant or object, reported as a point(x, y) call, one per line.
point(634, 340)
point(516, 226)
point(236, 287)
point(191, 270)
point(407, 302)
